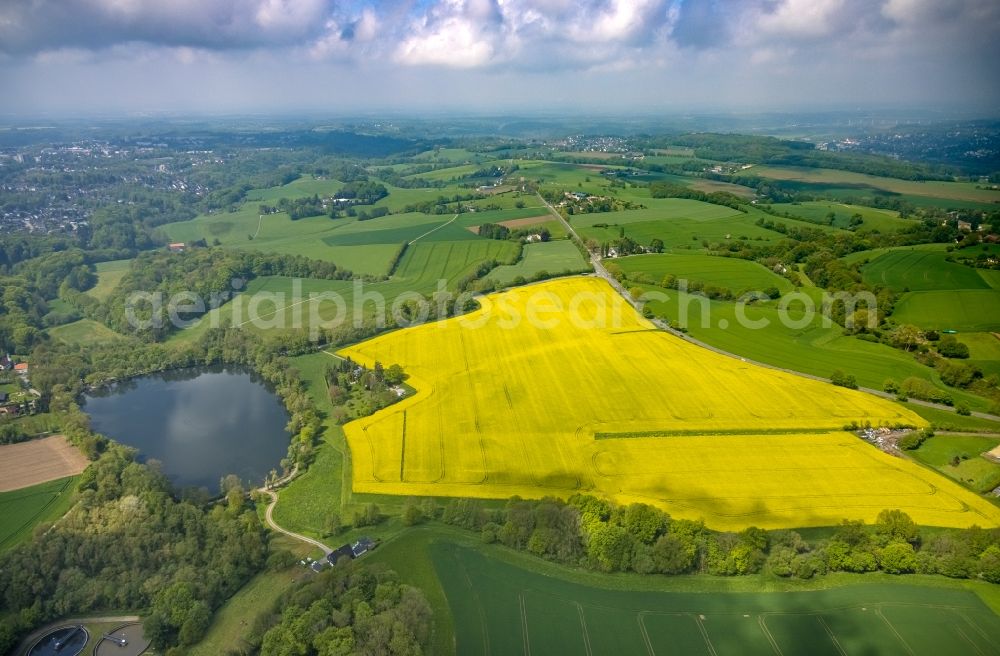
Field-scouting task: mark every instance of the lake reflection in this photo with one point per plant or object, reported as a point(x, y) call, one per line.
point(201, 423)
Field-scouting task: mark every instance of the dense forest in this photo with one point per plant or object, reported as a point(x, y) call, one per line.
point(128, 543)
point(348, 609)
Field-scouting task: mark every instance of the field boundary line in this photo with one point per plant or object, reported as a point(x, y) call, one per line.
point(909, 650)
point(402, 450)
point(435, 229)
point(833, 636)
point(524, 625)
point(583, 625)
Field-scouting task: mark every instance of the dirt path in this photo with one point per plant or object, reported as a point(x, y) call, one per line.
point(275, 526)
point(599, 270)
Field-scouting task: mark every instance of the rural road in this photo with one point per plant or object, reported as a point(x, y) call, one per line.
point(22, 647)
point(602, 272)
point(274, 525)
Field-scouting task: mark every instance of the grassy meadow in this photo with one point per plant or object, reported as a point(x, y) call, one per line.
point(24, 509)
point(85, 332)
point(787, 339)
point(959, 457)
point(922, 268)
point(552, 257)
point(973, 310)
point(856, 183)
point(819, 211)
point(727, 272)
point(275, 303)
point(108, 276)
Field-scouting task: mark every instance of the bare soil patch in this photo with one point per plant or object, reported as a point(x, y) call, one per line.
point(38, 461)
point(514, 224)
point(526, 221)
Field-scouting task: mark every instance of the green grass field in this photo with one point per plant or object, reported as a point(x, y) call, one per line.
point(809, 347)
point(298, 188)
point(498, 607)
point(255, 599)
point(680, 223)
point(681, 234)
point(276, 233)
point(858, 182)
point(23, 509)
point(449, 155)
point(974, 310)
point(557, 174)
point(532, 208)
point(701, 184)
point(456, 172)
point(970, 468)
point(951, 421)
point(658, 209)
point(270, 303)
point(728, 272)
point(923, 268)
point(364, 247)
point(984, 350)
point(873, 219)
point(553, 257)
point(108, 276)
point(305, 503)
point(399, 228)
point(84, 332)
point(326, 486)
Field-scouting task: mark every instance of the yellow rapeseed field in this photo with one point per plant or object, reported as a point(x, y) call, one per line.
point(562, 387)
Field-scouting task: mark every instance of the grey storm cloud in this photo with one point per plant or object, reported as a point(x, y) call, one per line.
point(28, 26)
point(757, 50)
point(475, 33)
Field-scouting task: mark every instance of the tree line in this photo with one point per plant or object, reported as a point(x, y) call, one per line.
point(594, 533)
point(212, 275)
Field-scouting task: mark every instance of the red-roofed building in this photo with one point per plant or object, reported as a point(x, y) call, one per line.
point(21, 368)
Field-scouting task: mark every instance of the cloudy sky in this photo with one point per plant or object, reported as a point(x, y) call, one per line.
point(77, 56)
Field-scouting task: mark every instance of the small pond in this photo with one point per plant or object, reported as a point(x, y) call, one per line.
point(200, 423)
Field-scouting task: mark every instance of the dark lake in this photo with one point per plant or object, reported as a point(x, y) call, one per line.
point(200, 423)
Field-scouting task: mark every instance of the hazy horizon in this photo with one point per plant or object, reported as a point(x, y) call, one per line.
point(269, 57)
